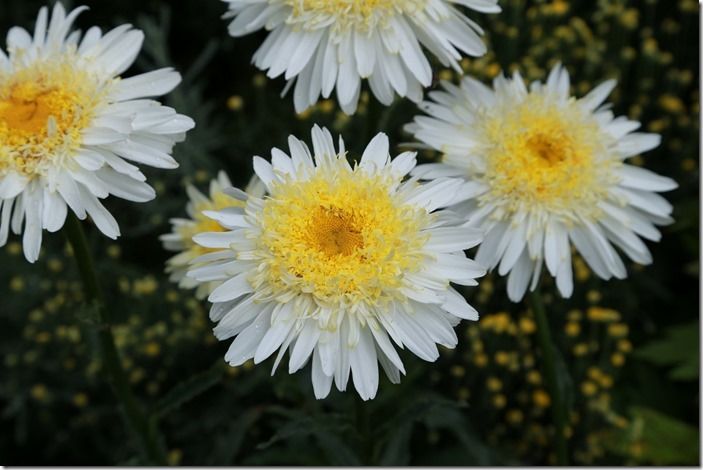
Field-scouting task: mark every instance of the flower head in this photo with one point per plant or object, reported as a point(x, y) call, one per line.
point(335, 260)
point(328, 44)
point(548, 170)
point(181, 237)
point(69, 125)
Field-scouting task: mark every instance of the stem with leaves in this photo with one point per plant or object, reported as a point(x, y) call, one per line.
point(138, 421)
point(550, 373)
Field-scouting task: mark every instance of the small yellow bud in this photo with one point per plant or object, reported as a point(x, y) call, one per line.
point(514, 416)
point(581, 349)
point(152, 349)
point(572, 329)
point(618, 330)
point(17, 284)
point(494, 384)
point(480, 360)
point(80, 400)
point(259, 80)
point(588, 388)
point(457, 371)
point(527, 326)
point(446, 74)
point(39, 392)
point(534, 377)
point(624, 345)
point(541, 398)
point(235, 103)
point(617, 359)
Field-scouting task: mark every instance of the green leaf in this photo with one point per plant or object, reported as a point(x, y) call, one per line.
point(189, 389)
point(397, 450)
point(656, 438)
point(678, 349)
point(89, 313)
point(228, 445)
point(447, 415)
point(436, 413)
point(325, 431)
point(293, 428)
point(337, 452)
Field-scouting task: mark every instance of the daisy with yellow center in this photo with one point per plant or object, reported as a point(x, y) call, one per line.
point(69, 125)
point(338, 260)
point(181, 238)
point(547, 170)
point(321, 45)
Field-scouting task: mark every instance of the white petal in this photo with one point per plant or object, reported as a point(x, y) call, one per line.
point(457, 305)
point(519, 277)
point(321, 382)
point(12, 184)
point(32, 237)
point(303, 346)
point(364, 365)
point(155, 83)
point(641, 178)
point(102, 218)
point(276, 334)
point(55, 211)
point(452, 239)
point(244, 345)
point(231, 289)
point(376, 155)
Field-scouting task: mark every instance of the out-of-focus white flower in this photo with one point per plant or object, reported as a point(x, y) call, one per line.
point(336, 261)
point(548, 171)
point(181, 237)
point(69, 126)
point(326, 44)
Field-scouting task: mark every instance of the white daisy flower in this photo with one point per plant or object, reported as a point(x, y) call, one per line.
point(335, 260)
point(547, 170)
point(181, 237)
point(328, 44)
point(68, 125)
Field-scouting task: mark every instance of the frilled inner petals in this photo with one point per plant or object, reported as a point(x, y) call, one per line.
point(546, 154)
point(44, 109)
point(362, 15)
point(341, 236)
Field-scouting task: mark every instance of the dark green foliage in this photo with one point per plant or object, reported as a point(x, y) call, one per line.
point(678, 349)
point(56, 409)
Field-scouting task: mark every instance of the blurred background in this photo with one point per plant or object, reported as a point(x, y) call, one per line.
point(629, 357)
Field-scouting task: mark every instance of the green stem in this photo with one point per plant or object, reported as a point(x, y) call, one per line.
point(385, 116)
point(378, 116)
point(363, 427)
point(138, 421)
point(549, 369)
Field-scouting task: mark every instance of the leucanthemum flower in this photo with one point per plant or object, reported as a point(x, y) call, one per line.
point(547, 171)
point(326, 44)
point(181, 237)
point(337, 259)
point(69, 125)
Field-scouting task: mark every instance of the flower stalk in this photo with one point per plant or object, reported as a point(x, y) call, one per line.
point(547, 347)
point(139, 423)
point(363, 427)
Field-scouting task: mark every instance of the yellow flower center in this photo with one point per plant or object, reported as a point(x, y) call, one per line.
point(359, 14)
point(334, 231)
point(44, 108)
point(542, 154)
point(28, 108)
point(341, 236)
